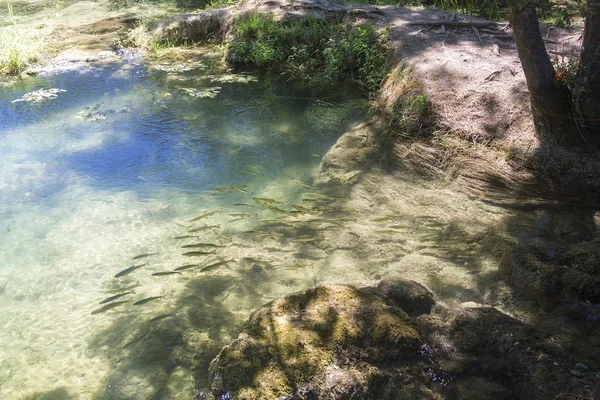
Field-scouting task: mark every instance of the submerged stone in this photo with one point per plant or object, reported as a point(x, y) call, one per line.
point(411, 296)
point(302, 343)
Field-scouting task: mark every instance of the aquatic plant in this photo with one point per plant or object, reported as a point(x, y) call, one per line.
point(317, 51)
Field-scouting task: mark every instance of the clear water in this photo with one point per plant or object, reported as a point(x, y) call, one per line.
point(119, 164)
point(114, 167)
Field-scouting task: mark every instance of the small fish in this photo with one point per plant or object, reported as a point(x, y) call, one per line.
point(399, 226)
point(185, 237)
point(198, 253)
point(250, 172)
point(123, 289)
point(203, 228)
point(239, 214)
point(193, 245)
point(389, 218)
point(266, 202)
point(242, 205)
point(350, 177)
point(188, 266)
point(386, 231)
point(215, 265)
point(165, 273)
point(305, 239)
point(129, 270)
point(220, 234)
point(239, 188)
point(162, 316)
point(271, 221)
point(138, 339)
point(109, 306)
point(302, 184)
point(316, 155)
point(302, 209)
point(318, 196)
point(143, 256)
point(206, 214)
point(111, 298)
point(2, 290)
point(146, 300)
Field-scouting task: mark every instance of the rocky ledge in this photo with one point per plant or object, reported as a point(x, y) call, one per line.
point(391, 341)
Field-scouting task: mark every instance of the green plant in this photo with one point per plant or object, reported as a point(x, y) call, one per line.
point(18, 46)
point(315, 50)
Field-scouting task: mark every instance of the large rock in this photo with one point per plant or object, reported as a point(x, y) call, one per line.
point(342, 342)
point(327, 342)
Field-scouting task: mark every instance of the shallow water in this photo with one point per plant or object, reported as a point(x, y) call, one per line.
point(114, 167)
point(120, 163)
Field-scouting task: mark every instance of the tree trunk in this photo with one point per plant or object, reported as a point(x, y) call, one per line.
point(549, 102)
point(587, 97)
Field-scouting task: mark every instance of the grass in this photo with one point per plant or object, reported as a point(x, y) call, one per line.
point(19, 46)
point(319, 52)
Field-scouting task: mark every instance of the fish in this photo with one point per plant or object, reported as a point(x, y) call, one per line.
point(352, 176)
point(185, 237)
point(239, 188)
point(400, 226)
point(146, 300)
point(389, 218)
point(111, 298)
point(220, 234)
point(143, 256)
point(316, 155)
point(266, 202)
point(242, 205)
point(162, 316)
point(385, 231)
point(203, 228)
point(164, 273)
point(124, 288)
point(138, 339)
point(272, 221)
point(206, 214)
point(305, 239)
point(237, 214)
point(109, 306)
point(198, 253)
point(2, 290)
point(250, 172)
point(302, 184)
point(188, 266)
point(129, 270)
point(187, 246)
point(215, 265)
point(301, 208)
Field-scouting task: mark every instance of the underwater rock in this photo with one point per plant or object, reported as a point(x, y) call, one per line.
point(411, 296)
point(353, 153)
point(562, 277)
point(303, 343)
point(344, 342)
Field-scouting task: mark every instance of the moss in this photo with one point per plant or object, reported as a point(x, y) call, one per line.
point(292, 340)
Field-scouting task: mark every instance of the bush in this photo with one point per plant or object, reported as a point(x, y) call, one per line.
point(317, 51)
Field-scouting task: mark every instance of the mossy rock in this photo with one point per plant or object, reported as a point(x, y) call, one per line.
point(292, 341)
point(411, 296)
